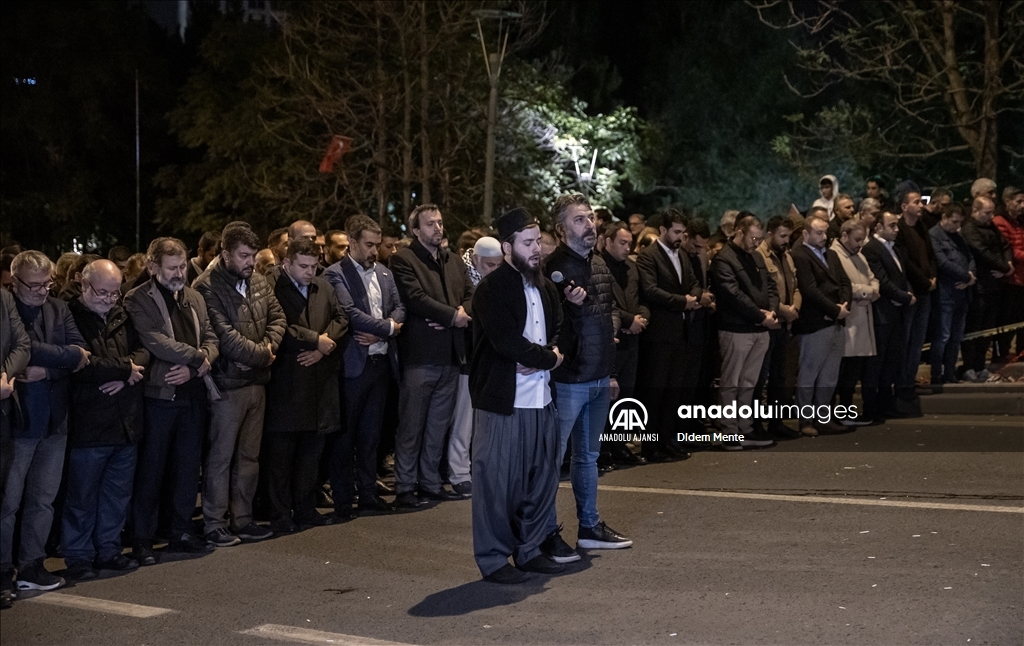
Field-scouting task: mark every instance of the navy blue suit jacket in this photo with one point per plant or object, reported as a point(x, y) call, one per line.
point(346, 281)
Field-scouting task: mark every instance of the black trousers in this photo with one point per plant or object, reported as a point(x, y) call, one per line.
point(291, 461)
point(626, 357)
point(663, 375)
point(851, 370)
point(1011, 310)
point(170, 451)
point(772, 383)
point(882, 371)
point(984, 314)
point(354, 451)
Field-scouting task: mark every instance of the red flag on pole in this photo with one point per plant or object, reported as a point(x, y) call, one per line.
point(339, 146)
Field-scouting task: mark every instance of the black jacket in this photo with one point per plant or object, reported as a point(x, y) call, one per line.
point(587, 335)
point(98, 419)
point(991, 253)
point(15, 350)
point(300, 398)
point(499, 305)
point(431, 289)
point(244, 326)
point(665, 295)
point(823, 289)
point(742, 288)
point(917, 248)
point(893, 287)
point(626, 293)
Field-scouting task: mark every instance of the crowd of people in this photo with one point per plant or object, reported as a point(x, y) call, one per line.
point(274, 380)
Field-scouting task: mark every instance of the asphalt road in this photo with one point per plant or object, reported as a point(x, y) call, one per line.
point(818, 541)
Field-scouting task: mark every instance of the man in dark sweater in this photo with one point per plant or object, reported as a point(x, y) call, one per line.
point(747, 302)
point(913, 239)
point(994, 259)
point(584, 382)
point(633, 316)
point(437, 294)
point(106, 424)
point(515, 435)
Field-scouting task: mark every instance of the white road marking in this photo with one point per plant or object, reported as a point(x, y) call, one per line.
point(99, 605)
point(309, 636)
point(832, 500)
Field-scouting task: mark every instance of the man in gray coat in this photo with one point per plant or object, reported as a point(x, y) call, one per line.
point(249, 324)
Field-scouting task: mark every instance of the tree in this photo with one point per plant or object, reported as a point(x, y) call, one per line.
point(925, 81)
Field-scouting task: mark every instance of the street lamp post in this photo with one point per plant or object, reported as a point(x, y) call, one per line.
point(493, 61)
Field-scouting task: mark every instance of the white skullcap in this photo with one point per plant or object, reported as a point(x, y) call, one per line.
point(487, 247)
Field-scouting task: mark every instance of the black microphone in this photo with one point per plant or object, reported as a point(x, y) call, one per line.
point(558, 279)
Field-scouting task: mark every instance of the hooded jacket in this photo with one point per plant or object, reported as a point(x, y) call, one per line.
point(831, 202)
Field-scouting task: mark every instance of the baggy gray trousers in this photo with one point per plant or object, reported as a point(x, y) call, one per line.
point(515, 481)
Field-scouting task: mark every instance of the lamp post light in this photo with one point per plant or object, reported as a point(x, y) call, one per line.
point(493, 61)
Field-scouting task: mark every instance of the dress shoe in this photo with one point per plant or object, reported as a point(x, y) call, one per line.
point(780, 431)
point(542, 565)
point(440, 495)
point(324, 499)
point(808, 429)
point(384, 490)
point(407, 500)
point(375, 504)
point(315, 520)
point(143, 553)
point(79, 571)
point(284, 527)
point(507, 575)
point(676, 454)
point(187, 544)
point(622, 456)
point(344, 514)
point(119, 563)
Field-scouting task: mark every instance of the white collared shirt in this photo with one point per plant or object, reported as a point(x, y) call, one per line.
point(891, 248)
point(673, 255)
point(532, 391)
point(240, 287)
point(376, 298)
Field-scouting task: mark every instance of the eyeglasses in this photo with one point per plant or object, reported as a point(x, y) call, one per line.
point(38, 287)
point(102, 295)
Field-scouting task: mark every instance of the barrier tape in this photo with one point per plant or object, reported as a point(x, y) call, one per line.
point(995, 331)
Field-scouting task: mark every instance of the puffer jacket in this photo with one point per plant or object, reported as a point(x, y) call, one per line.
point(98, 419)
point(244, 326)
point(587, 335)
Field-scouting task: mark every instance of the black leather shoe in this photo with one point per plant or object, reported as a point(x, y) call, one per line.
point(408, 500)
point(324, 499)
point(119, 563)
point(143, 553)
point(507, 575)
point(621, 456)
point(375, 504)
point(384, 490)
point(676, 454)
point(187, 544)
point(283, 527)
point(315, 520)
point(542, 565)
point(439, 496)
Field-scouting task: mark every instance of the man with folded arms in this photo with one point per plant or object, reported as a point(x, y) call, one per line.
point(249, 324)
point(303, 404)
point(40, 436)
point(171, 321)
point(826, 290)
point(106, 423)
point(515, 435)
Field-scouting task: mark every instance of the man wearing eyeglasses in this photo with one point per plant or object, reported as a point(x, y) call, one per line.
point(40, 436)
point(106, 424)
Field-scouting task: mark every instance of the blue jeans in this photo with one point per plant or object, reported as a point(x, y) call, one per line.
point(32, 484)
point(582, 413)
point(949, 333)
point(99, 491)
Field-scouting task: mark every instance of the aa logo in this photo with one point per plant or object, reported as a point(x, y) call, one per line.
point(628, 414)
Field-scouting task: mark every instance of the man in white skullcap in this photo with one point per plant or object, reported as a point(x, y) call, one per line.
point(481, 260)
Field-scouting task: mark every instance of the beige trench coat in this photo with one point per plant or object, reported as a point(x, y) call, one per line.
point(860, 325)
